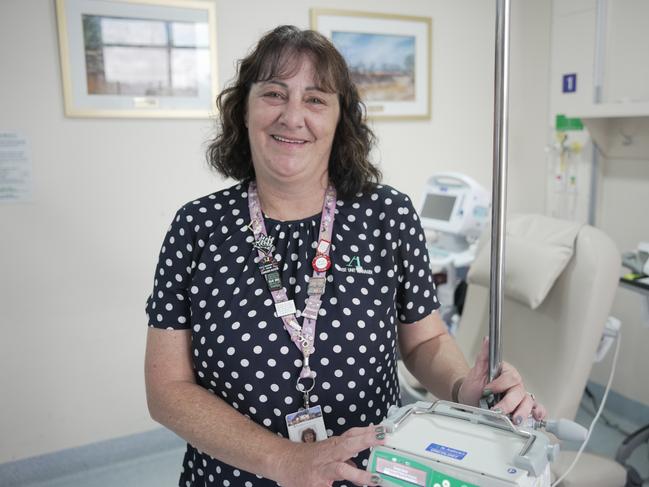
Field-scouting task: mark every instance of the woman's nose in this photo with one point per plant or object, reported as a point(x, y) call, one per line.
point(292, 115)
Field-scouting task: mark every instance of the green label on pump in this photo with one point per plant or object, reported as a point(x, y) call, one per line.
point(406, 472)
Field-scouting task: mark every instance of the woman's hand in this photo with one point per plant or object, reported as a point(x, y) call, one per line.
point(515, 401)
point(320, 464)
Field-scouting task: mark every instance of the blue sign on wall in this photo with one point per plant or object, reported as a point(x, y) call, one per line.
point(570, 83)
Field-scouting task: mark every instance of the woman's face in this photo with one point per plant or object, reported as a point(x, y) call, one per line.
point(291, 126)
point(308, 436)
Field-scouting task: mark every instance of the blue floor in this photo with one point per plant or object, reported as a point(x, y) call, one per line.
point(156, 470)
point(153, 459)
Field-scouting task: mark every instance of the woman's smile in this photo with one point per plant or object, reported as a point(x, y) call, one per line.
point(288, 140)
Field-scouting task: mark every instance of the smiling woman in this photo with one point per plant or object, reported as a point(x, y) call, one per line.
point(232, 364)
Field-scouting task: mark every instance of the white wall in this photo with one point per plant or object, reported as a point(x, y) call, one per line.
point(77, 263)
point(622, 214)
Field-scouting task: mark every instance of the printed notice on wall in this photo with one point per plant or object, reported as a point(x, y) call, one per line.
point(15, 168)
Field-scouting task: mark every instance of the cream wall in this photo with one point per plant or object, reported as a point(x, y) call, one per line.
point(77, 262)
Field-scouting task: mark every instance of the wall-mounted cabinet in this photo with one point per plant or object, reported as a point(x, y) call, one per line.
point(625, 60)
point(600, 71)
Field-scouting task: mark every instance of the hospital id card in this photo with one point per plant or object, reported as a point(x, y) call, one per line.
point(306, 425)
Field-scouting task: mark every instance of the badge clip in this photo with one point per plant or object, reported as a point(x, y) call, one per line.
point(316, 285)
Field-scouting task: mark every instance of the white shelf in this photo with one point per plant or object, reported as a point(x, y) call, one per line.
point(613, 110)
point(620, 137)
point(620, 130)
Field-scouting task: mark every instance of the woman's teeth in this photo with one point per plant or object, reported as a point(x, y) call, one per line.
point(289, 141)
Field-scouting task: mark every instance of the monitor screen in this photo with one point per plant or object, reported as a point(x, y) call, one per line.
point(438, 206)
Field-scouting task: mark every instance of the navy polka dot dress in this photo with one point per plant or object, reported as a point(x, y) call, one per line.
point(207, 281)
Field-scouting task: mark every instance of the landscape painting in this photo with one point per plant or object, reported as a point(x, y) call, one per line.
point(389, 57)
point(382, 66)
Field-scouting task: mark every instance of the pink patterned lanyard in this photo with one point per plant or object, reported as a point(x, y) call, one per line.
point(303, 336)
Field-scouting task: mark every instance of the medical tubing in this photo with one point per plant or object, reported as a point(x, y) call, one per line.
point(499, 185)
point(599, 412)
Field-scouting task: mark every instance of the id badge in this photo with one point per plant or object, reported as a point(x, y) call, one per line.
point(306, 425)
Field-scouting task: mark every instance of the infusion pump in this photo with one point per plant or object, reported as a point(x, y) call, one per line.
point(443, 444)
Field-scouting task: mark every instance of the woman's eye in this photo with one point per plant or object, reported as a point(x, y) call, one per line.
point(273, 94)
point(315, 100)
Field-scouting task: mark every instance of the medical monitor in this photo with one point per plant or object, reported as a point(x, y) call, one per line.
point(438, 206)
point(454, 204)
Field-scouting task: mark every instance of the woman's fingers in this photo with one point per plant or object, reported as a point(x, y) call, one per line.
point(508, 378)
point(538, 411)
point(344, 471)
point(516, 400)
point(348, 446)
point(511, 399)
point(510, 384)
point(362, 430)
point(523, 410)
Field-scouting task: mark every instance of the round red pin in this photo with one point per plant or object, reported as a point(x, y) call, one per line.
point(321, 263)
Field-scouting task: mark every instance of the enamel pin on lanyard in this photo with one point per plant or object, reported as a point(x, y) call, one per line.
point(303, 336)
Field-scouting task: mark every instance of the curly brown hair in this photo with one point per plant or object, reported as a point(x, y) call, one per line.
point(277, 56)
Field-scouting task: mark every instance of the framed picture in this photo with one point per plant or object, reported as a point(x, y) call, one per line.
point(138, 58)
point(389, 57)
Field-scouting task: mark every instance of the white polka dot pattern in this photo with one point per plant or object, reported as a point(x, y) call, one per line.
point(207, 281)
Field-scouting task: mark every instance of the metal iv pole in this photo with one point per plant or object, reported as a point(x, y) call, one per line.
point(499, 185)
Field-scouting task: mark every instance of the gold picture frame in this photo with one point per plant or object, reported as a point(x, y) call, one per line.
point(389, 56)
point(138, 58)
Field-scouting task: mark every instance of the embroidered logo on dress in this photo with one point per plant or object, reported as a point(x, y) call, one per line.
point(354, 267)
point(355, 262)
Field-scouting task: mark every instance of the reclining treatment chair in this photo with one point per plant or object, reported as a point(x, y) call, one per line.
point(560, 281)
